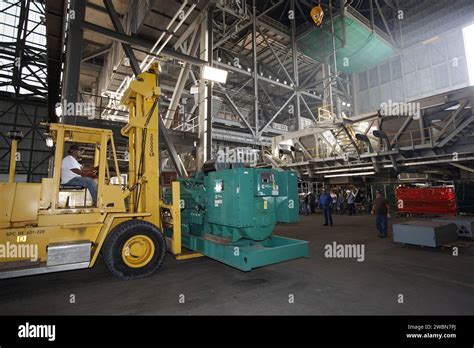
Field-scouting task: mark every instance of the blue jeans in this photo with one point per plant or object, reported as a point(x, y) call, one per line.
point(305, 209)
point(88, 183)
point(352, 210)
point(327, 210)
point(381, 222)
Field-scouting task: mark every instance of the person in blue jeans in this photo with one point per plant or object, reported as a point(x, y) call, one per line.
point(381, 209)
point(351, 197)
point(306, 205)
point(325, 202)
point(73, 174)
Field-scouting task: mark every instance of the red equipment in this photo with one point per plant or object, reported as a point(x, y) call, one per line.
point(427, 200)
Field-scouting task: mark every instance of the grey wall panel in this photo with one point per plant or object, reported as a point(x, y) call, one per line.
point(374, 98)
point(422, 56)
point(409, 61)
point(411, 85)
point(455, 44)
point(441, 76)
point(430, 67)
point(459, 72)
point(438, 51)
point(425, 81)
point(386, 93)
point(363, 81)
point(373, 77)
point(364, 101)
point(398, 94)
point(396, 68)
point(384, 72)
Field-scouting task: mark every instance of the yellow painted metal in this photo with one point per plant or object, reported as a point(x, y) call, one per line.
point(11, 174)
point(7, 191)
point(324, 113)
point(188, 256)
point(174, 242)
point(141, 98)
point(138, 251)
point(30, 212)
point(26, 203)
point(317, 14)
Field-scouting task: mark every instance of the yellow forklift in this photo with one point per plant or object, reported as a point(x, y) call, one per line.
point(63, 224)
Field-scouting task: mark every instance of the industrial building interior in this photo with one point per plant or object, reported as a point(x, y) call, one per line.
point(241, 126)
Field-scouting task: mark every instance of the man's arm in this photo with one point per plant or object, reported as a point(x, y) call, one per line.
point(90, 173)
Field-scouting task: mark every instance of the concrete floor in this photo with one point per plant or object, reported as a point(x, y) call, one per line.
point(432, 281)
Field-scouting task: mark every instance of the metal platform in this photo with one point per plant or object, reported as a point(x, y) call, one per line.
point(41, 268)
point(383, 144)
point(424, 233)
point(464, 224)
point(246, 254)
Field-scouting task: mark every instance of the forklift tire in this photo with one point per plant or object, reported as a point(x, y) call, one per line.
point(134, 249)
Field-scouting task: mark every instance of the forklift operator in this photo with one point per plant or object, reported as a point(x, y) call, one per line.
point(73, 174)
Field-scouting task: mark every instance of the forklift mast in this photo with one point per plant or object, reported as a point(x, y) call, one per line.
point(141, 98)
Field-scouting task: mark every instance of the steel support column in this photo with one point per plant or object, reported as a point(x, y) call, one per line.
point(181, 82)
point(202, 150)
point(255, 66)
point(210, 50)
point(295, 65)
point(73, 52)
point(119, 27)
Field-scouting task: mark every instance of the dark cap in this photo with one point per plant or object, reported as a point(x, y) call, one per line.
point(75, 147)
point(378, 191)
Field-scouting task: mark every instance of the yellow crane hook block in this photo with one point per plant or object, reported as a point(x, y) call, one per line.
point(317, 14)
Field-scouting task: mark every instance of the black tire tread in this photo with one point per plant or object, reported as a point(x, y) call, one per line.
point(111, 243)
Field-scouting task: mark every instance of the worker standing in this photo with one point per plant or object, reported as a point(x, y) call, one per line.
point(312, 202)
point(341, 201)
point(306, 204)
point(381, 209)
point(325, 202)
point(351, 201)
point(334, 200)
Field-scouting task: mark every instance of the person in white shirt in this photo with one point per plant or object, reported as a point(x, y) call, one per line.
point(351, 197)
point(334, 200)
point(73, 174)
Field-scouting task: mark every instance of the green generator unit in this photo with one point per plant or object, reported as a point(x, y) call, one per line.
point(229, 215)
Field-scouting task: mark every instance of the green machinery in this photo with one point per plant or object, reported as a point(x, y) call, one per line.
point(229, 215)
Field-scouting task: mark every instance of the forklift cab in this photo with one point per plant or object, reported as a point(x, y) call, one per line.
point(70, 195)
point(64, 196)
point(34, 210)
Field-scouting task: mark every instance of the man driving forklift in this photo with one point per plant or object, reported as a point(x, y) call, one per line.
point(74, 174)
